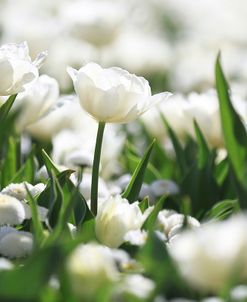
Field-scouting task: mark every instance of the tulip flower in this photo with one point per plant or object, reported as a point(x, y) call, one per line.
point(17, 69)
point(111, 95)
point(116, 217)
point(90, 267)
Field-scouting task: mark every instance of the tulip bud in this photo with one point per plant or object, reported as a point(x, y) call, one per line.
point(115, 218)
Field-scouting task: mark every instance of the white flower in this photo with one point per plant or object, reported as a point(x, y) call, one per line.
point(164, 186)
point(204, 108)
point(5, 264)
point(139, 52)
point(90, 267)
point(42, 212)
point(239, 293)
point(19, 191)
point(136, 237)
point(136, 285)
point(72, 53)
point(173, 111)
point(34, 102)
point(97, 22)
point(115, 218)
point(12, 211)
point(16, 68)
point(113, 95)
point(60, 116)
point(4, 230)
point(209, 256)
point(213, 299)
point(16, 244)
point(85, 186)
point(171, 223)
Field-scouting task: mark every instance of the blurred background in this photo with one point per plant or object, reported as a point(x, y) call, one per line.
point(172, 43)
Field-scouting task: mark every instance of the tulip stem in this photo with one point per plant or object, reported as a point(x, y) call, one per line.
point(95, 173)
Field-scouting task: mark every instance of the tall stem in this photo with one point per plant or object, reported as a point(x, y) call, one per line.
point(95, 173)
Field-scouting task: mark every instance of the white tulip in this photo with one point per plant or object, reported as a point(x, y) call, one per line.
point(173, 111)
point(16, 244)
point(208, 257)
point(135, 284)
point(115, 218)
point(5, 264)
point(136, 237)
point(4, 230)
point(62, 115)
point(16, 68)
point(113, 95)
point(97, 22)
point(171, 223)
point(36, 101)
point(12, 210)
point(18, 190)
point(90, 267)
point(239, 293)
point(139, 52)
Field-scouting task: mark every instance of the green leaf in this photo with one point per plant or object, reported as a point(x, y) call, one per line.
point(158, 265)
point(50, 166)
point(180, 155)
point(203, 152)
point(37, 225)
point(5, 108)
point(26, 171)
point(56, 200)
point(234, 132)
point(144, 204)
point(26, 282)
point(87, 231)
point(223, 209)
point(150, 221)
point(10, 163)
point(132, 191)
point(221, 171)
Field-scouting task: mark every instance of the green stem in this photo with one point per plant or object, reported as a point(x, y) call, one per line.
point(95, 173)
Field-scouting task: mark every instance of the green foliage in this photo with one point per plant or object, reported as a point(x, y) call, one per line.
point(132, 191)
point(25, 283)
point(210, 189)
point(234, 134)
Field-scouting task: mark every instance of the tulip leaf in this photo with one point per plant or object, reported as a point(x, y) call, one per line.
point(10, 163)
point(155, 259)
point(221, 171)
point(144, 204)
point(203, 152)
point(234, 132)
point(223, 209)
point(49, 163)
point(133, 189)
point(180, 154)
point(26, 171)
point(25, 283)
point(5, 108)
point(151, 219)
point(37, 225)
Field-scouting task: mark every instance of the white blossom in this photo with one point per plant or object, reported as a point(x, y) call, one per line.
point(16, 244)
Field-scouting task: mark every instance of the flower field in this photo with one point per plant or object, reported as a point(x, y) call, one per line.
point(123, 151)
